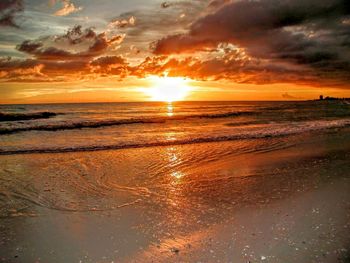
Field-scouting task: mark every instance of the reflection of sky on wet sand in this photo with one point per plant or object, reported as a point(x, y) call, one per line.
point(189, 191)
point(193, 190)
point(175, 197)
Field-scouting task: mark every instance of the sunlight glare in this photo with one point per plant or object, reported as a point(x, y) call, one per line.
point(170, 109)
point(168, 89)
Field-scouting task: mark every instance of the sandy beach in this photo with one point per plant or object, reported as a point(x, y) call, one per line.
point(273, 204)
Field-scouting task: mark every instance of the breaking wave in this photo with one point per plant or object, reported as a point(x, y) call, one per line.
point(267, 132)
point(25, 116)
point(106, 123)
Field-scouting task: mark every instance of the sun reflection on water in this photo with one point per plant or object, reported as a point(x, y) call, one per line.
point(176, 188)
point(174, 160)
point(177, 175)
point(170, 109)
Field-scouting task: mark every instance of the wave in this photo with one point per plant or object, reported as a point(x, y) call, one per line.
point(106, 123)
point(268, 132)
point(25, 116)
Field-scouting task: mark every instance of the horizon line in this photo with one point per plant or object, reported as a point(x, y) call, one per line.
point(165, 102)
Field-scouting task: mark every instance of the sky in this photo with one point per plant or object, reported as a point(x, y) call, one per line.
point(116, 50)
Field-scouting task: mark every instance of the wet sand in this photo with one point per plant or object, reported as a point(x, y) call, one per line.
point(281, 200)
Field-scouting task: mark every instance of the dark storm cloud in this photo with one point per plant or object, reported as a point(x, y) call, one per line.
point(245, 22)
point(51, 48)
point(75, 52)
point(108, 61)
point(77, 35)
point(307, 33)
point(110, 65)
point(8, 11)
point(11, 64)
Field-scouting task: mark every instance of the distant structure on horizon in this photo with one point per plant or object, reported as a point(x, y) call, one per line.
point(332, 98)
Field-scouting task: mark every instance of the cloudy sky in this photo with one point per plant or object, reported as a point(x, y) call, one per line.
point(111, 50)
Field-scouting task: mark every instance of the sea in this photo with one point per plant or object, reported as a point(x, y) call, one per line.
point(55, 128)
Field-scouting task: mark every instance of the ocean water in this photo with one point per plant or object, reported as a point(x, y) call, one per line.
point(90, 127)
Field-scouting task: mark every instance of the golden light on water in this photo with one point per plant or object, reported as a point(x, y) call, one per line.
point(174, 161)
point(170, 109)
point(168, 89)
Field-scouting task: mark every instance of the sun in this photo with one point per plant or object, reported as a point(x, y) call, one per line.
point(168, 89)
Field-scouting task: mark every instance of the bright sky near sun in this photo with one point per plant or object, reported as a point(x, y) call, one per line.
point(167, 89)
point(116, 50)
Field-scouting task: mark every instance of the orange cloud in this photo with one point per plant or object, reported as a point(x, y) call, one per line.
point(68, 8)
point(120, 23)
point(298, 35)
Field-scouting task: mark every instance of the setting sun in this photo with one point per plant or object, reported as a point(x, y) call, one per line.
point(168, 89)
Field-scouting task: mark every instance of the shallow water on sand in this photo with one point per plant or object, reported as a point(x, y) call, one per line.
point(131, 204)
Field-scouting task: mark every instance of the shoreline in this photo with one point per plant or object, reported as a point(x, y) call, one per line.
point(208, 210)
